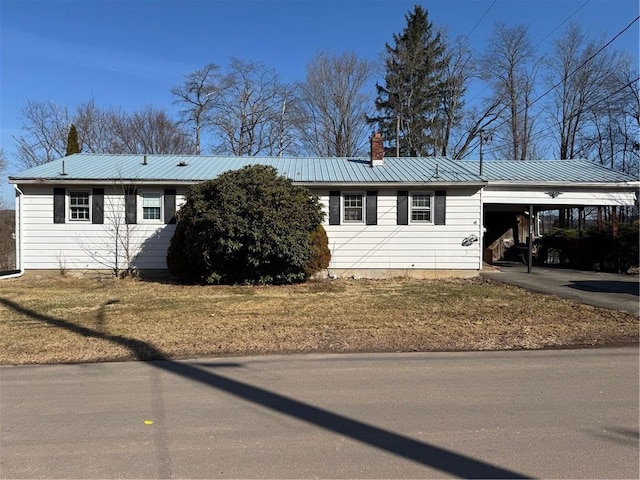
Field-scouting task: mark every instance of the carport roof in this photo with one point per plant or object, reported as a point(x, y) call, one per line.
point(552, 171)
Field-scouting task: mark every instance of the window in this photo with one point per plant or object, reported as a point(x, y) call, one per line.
point(353, 207)
point(79, 206)
point(152, 206)
point(421, 208)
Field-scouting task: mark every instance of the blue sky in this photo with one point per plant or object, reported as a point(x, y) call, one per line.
point(130, 53)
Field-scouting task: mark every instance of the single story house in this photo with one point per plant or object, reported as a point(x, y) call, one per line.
point(384, 217)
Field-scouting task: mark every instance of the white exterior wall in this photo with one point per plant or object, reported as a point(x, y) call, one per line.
point(87, 246)
point(81, 245)
point(496, 194)
point(408, 247)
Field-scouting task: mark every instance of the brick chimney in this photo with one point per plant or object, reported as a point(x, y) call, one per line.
point(377, 150)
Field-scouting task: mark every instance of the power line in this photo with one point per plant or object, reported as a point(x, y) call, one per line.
point(481, 18)
point(542, 133)
point(539, 42)
point(573, 72)
point(561, 24)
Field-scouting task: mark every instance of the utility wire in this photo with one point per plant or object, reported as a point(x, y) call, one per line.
point(481, 18)
point(573, 72)
point(539, 42)
point(557, 123)
point(561, 24)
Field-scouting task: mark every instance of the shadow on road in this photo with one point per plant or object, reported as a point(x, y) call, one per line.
point(429, 455)
point(606, 286)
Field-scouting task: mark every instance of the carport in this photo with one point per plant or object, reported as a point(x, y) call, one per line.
point(517, 192)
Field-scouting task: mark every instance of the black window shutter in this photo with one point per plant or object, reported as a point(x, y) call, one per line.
point(169, 206)
point(58, 205)
point(440, 207)
point(372, 208)
point(403, 207)
point(97, 206)
point(130, 206)
point(334, 207)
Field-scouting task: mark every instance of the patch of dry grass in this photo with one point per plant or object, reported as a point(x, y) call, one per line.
point(59, 319)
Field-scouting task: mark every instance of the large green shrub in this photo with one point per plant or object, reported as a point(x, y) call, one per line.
point(246, 226)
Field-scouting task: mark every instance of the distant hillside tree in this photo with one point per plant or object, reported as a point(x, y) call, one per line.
point(72, 141)
point(410, 103)
point(45, 132)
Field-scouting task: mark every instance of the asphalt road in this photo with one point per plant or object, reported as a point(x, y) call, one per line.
point(551, 414)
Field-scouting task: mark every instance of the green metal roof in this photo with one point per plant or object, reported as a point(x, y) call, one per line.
point(192, 168)
point(542, 171)
point(316, 170)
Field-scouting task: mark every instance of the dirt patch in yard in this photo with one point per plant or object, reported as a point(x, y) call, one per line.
point(60, 319)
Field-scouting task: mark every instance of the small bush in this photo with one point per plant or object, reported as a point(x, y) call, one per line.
point(248, 226)
point(320, 253)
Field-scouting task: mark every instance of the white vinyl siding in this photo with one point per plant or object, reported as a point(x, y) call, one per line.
point(87, 246)
point(404, 247)
point(557, 196)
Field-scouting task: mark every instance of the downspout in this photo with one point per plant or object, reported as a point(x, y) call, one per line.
point(19, 262)
point(481, 229)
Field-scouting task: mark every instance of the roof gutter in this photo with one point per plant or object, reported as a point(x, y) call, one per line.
point(19, 261)
point(320, 184)
point(399, 185)
point(507, 183)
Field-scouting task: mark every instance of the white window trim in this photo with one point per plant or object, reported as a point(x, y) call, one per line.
point(431, 200)
point(68, 205)
point(140, 207)
point(343, 207)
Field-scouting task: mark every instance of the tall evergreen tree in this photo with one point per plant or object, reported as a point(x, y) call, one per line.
point(409, 104)
point(73, 146)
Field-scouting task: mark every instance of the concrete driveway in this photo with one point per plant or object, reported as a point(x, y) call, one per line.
point(605, 290)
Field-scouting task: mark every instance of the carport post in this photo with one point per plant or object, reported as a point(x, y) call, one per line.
point(530, 239)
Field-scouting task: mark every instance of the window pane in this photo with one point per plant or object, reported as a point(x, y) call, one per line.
point(420, 216)
point(151, 213)
point(421, 207)
point(151, 206)
point(79, 205)
point(353, 210)
point(421, 201)
point(151, 200)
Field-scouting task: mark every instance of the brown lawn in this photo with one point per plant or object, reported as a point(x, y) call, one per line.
point(62, 319)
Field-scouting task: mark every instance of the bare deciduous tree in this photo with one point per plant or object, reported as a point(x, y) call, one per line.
point(196, 95)
point(581, 81)
point(510, 66)
point(334, 104)
point(457, 74)
point(3, 163)
point(248, 115)
point(115, 248)
point(46, 125)
point(148, 131)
